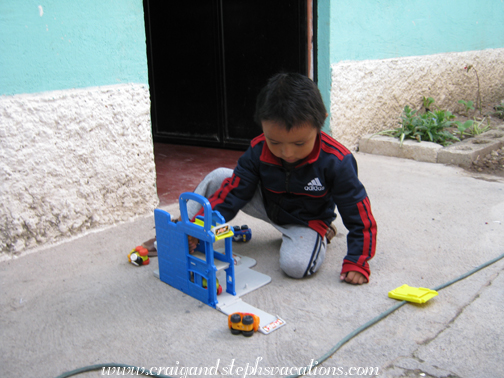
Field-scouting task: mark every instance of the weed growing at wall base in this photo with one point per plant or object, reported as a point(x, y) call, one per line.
point(499, 110)
point(430, 126)
point(468, 105)
point(479, 102)
point(462, 127)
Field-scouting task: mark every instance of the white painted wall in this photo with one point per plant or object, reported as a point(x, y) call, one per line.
point(71, 161)
point(369, 96)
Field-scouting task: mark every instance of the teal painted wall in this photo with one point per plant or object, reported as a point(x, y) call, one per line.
point(324, 56)
point(61, 44)
point(382, 29)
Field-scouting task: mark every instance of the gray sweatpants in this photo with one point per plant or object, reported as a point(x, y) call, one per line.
point(303, 249)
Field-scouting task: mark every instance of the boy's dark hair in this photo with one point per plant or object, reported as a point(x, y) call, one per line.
point(291, 99)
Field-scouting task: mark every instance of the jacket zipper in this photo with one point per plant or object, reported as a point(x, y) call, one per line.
point(287, 177)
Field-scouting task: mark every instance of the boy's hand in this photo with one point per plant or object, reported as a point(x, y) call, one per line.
point(193, 243)
point(355, 278)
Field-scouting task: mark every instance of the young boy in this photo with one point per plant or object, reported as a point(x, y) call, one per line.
point(292, 176)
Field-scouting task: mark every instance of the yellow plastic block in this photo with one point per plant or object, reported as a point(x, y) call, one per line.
point(199, 222)
point(412, 294)
point(220, 231)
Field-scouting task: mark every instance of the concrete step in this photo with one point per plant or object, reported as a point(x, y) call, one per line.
point(461, 153)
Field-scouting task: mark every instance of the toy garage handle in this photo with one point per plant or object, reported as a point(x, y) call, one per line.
point(184, 197)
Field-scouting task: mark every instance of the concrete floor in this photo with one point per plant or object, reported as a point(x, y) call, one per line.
point(81, 303)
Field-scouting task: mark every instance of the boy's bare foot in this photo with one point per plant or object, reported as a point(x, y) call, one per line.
point(149, 246)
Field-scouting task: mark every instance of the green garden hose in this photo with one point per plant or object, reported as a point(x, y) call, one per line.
point(308, 368)
point(391, 310)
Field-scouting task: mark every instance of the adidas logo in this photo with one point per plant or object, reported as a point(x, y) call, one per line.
point(314, 185)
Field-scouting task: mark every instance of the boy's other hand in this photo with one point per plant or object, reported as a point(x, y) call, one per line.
point(354, 278)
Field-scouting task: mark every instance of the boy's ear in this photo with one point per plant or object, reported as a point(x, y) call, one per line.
point(326, 115)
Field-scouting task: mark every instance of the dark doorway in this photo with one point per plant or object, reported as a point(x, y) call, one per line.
point(208, 59)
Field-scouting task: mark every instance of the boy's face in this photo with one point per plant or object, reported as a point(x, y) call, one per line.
point(290, 146)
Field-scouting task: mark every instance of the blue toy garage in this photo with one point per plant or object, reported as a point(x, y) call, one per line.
point(188, 272)
point(200, 274)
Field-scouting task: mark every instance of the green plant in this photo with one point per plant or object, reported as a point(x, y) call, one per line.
point(429, 126)
point(469, 105)
point(427, 102)
point(499, 110)
point(471, 128)
point(478, 97)
point(462, 127)
point(476, 128)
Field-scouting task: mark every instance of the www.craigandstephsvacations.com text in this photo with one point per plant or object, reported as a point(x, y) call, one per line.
point(249, 370)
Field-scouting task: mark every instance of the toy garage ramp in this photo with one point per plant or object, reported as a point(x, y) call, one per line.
point(208, 271)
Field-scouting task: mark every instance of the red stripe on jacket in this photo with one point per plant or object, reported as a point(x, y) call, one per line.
point(318, 226)
point(334, 147)
point(220, 195)
point(369, 245)
point(365, 246)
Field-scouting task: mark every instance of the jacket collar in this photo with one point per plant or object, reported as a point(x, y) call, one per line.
point(268, 157)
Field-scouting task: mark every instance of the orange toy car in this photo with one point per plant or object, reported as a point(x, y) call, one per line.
point(243, 322)
point(139, 256)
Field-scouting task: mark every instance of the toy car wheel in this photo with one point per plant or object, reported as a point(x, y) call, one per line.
point(247, 320)
point(235, 331)
point(244, 227)
point(248, 333)
point(235, 318)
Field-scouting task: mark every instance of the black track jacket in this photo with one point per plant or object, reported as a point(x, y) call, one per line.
point(306, 195)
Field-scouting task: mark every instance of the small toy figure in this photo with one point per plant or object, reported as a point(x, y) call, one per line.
point(139, 256)
point(221, 229)
point(219, 287)
point(243, 322)
point(242, 234)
